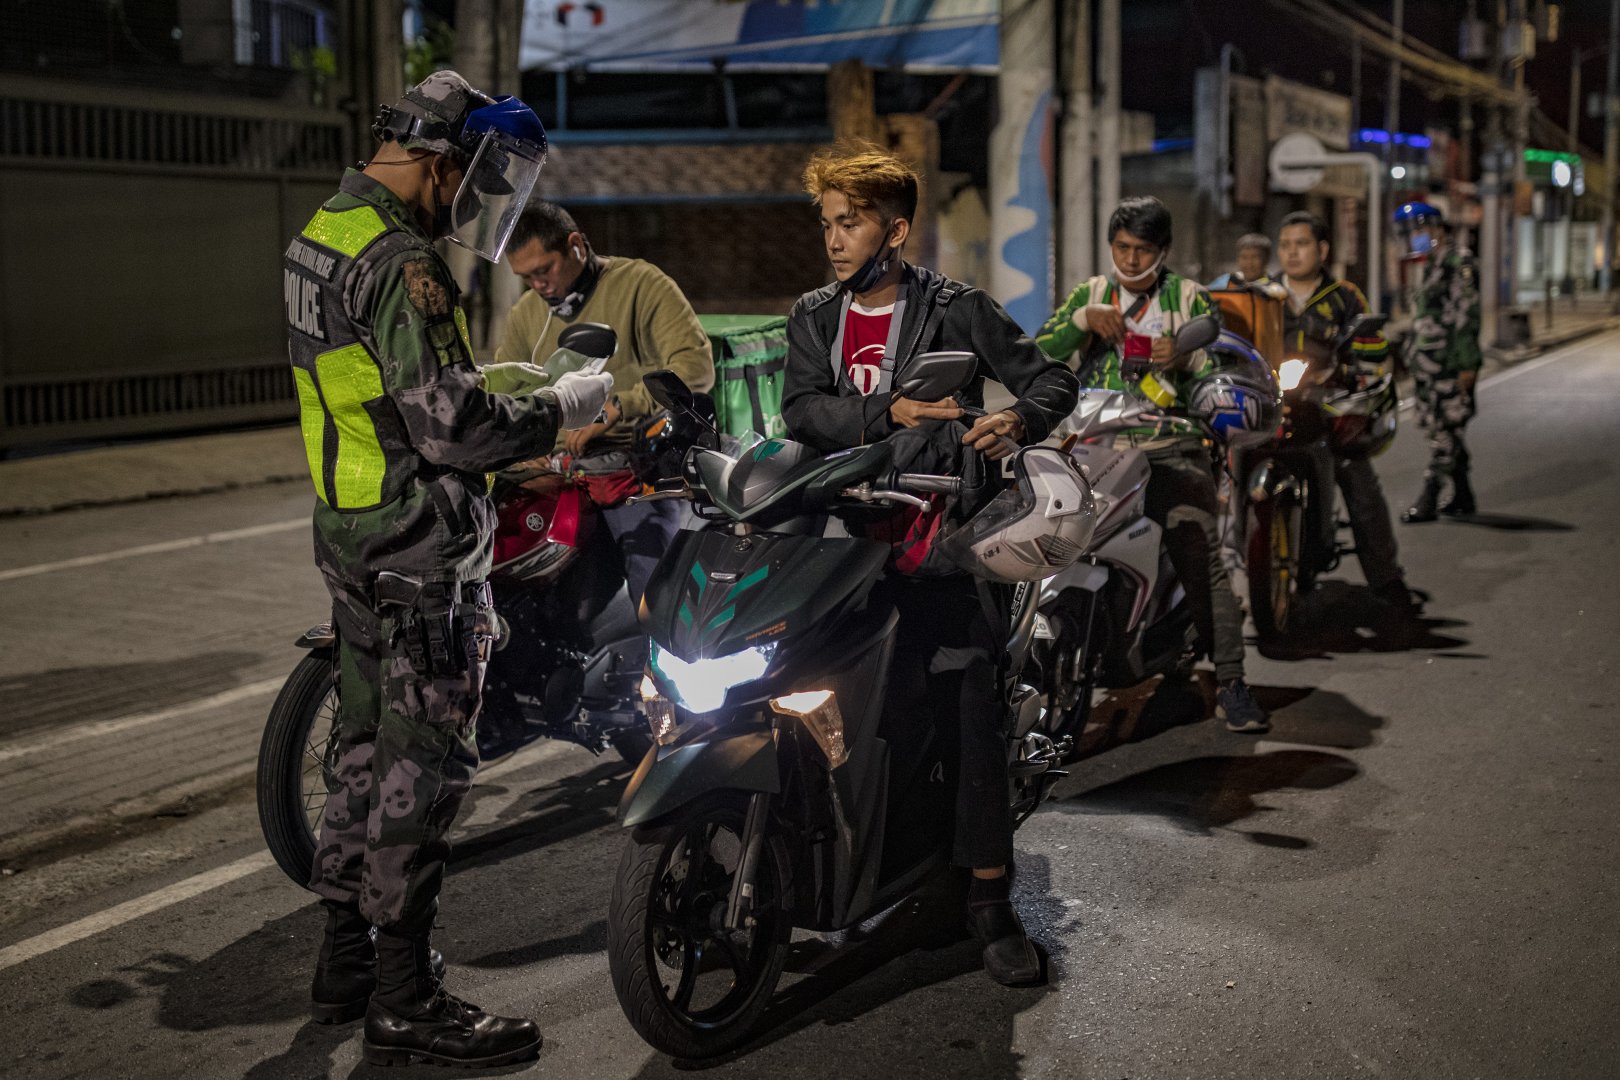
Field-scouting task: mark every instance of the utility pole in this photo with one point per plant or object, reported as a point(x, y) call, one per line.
point(1490, 224)
point(1077, 193)
point(1020, 192)
point(486, 52)
point(1392, 100)
point(1108, 64)
point(1611, 150)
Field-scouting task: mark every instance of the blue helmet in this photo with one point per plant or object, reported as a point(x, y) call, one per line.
point(511, 118)
point(1417, 215)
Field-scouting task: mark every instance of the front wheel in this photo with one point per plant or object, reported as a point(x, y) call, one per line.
point(1274, 564)
point(291, 779)
point(689, 986)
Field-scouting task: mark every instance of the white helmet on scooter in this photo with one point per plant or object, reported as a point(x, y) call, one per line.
point(1033, 529)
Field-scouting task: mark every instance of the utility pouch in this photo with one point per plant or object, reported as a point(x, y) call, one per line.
point(437, 623)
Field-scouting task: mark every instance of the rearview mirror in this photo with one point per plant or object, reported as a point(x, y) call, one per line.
point(1196, 333)
point(668, 390)
point(937, 375)
point(595, 340)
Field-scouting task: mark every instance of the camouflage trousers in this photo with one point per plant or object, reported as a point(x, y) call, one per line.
point(403, 760)
point(1444, 409)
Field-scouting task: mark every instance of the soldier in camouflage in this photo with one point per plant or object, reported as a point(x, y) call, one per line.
point(400, 429)
point(1444, 356)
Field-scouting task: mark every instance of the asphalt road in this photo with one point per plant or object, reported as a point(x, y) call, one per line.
point(1413, 875)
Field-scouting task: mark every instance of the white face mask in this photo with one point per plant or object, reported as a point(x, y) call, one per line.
point(1144, 278)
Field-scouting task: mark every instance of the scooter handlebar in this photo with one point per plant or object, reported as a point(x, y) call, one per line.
point(925, 482)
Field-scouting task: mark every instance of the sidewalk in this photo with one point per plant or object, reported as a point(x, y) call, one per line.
point(206, 463)
point(158, 469)
point(1587, 315)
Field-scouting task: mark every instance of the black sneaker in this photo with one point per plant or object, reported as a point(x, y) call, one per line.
point(1235, 705)
point(1398, 600)
point(1009, 956)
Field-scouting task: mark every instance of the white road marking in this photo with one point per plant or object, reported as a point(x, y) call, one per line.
point(1540, 361)
point(130, 910)
point(180, 891)
point(1595, 340)
point(156, 549)
point(102, 728)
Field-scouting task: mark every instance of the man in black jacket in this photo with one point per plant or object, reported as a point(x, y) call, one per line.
point(849, 344)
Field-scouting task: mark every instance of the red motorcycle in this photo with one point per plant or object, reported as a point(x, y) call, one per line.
point(571, 655)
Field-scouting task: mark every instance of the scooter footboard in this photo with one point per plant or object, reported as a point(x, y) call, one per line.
point(672, 777)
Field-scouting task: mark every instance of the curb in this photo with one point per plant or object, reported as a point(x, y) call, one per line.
point(1521, 353)
point(149, 496)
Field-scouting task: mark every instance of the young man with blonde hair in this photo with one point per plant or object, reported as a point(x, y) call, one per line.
point(849, 345)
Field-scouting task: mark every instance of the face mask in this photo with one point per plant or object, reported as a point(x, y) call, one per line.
point(872, 270)
point(443, 225)
point(1422, 243)
point(569, 305)
point(1147, 277)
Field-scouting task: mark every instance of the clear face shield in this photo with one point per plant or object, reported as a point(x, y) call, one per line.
point(493, 192)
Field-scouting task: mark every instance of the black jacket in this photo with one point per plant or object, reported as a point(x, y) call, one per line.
point(823, 409)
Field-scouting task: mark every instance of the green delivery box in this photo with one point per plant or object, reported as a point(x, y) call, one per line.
point(750, 353)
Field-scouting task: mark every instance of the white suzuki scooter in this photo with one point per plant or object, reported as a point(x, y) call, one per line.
point(1119, 615)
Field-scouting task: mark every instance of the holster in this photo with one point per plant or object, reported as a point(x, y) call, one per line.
point(435, 622)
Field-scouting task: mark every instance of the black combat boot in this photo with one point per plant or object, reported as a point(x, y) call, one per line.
point(1461, 503)
point(346, 968)
point(1423, 508)
point(413, 1018)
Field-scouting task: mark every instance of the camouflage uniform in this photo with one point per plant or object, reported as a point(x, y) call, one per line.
point(1445, 343)
point(400, 434)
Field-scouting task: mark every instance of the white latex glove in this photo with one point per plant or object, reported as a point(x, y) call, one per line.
point(580, 398)
point(514, 379)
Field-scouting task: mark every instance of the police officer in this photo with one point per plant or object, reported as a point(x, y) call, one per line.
point(400, 428)
point(1444, 356)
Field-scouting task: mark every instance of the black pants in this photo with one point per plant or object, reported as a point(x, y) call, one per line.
point(946, 659)
point(1369, 521)
point(1181, 497)
point(643, 532)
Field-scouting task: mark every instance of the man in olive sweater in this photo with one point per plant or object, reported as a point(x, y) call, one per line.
point(570, 283)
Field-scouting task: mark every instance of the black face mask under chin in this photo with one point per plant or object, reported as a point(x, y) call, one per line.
point(567, 306)
point(872, 270)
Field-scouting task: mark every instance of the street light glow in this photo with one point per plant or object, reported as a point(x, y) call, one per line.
point(1398, 172)
point(1562, 174)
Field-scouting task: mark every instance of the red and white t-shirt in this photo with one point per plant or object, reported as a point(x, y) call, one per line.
point(866, 334)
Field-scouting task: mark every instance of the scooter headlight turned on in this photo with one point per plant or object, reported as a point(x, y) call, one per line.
point(1291, 374)
point(818, 711)
point(700, 686)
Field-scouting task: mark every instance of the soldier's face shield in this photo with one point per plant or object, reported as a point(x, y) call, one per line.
point(493, 192)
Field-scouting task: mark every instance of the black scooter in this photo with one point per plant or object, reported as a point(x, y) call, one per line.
point(778, 796)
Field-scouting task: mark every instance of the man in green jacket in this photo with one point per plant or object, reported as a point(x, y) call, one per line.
point(1116, 330)
point(1444, 356)
point(400, 430)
